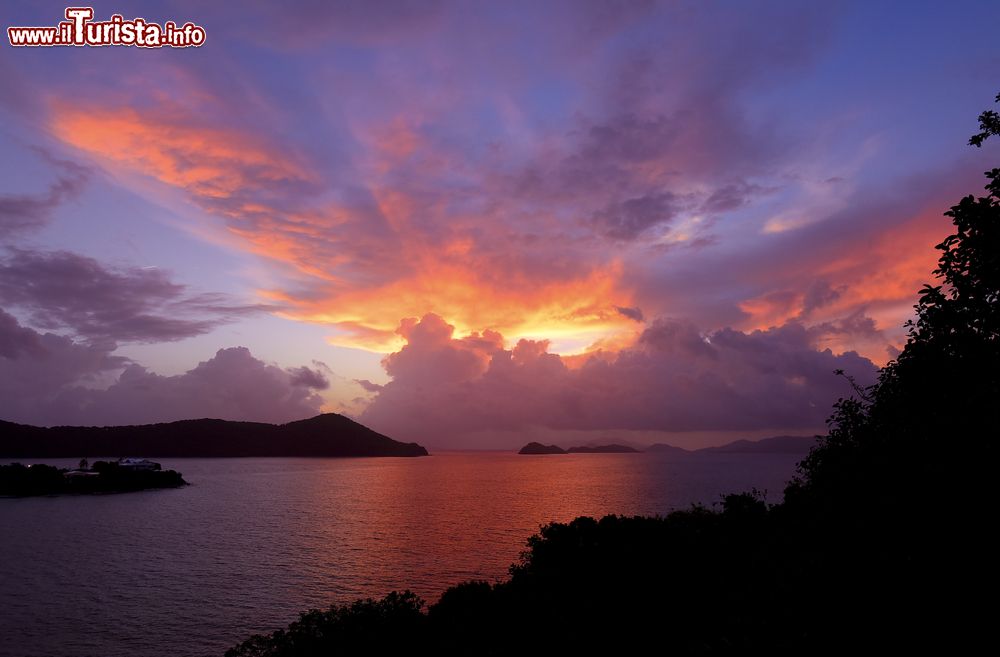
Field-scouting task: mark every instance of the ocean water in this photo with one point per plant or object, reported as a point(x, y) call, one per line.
point(252, 542)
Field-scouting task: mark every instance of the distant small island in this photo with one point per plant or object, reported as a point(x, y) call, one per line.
point(664, 448)
point(538, 448)
point(776, 445)
point(123, 475)
point(602, 449)
point(329, 434)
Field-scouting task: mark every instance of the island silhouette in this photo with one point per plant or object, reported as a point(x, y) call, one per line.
point(602, 449)
point(538, 448)
point(329, 435)
point(776, 445)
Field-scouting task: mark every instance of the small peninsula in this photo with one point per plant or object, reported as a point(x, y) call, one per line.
point(121, 476)
point(326, 435)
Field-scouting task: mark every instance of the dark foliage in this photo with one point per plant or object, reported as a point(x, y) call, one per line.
point(989, 125)
point(21, 480)
point(390, 626)
point(882, 544)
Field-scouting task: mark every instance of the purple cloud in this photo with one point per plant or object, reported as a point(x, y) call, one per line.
point(675, 378)
point(50, 379)
point(631, 313)
point(66, 291)
point(632, 217)
point(16, 339)
point(34, 367)
point(309, 378)
point(21, 213)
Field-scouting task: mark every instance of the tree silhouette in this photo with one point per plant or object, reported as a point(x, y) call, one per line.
point(908, 463)
point(989, 124)
point(945, 382)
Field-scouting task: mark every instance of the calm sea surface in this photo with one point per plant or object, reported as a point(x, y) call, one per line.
point(192, 571)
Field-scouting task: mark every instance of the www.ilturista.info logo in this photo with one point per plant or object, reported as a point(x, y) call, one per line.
point(79, 29)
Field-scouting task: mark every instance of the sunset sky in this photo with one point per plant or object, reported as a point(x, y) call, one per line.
point(474, 223)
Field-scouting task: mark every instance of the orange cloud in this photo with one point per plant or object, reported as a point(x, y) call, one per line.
point(879, 280)
point(208, 163)
point(773, 308)
point(517, 308)
point(365, 265)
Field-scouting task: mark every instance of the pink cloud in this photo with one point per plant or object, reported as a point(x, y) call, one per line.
point(675, 378)
point(50, 379)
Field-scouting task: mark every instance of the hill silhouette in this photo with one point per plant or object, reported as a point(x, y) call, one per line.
point(329, 434)
point(602, 449)
point(538, 448)
point(664, 448)
point(776, 445)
